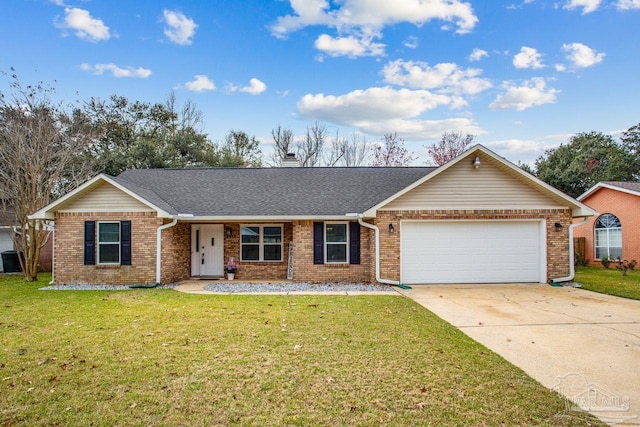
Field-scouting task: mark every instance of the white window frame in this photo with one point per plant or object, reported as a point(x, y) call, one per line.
point(99, 243)
point(326, 243)
point(261, 244)
point(608, 234)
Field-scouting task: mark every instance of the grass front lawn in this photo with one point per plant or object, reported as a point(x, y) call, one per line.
point(610, 281)
point(160, 357)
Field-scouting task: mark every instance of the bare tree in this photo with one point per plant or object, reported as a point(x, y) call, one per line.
point(451, 145)
point(391, 152)
point(311, 147)
point(282, 144)
point(41, 158)
point(348, 152)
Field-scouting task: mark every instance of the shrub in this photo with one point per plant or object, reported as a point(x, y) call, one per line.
point(625, 266)
point(606, 261)
point(580, 260)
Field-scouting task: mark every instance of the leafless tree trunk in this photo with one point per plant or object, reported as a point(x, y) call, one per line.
point(282, 144)
point(450, 146)
point(42, 157)
point(311, 148)
point(348, 152)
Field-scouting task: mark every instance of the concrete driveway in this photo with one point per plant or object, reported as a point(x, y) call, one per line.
point(583, 344)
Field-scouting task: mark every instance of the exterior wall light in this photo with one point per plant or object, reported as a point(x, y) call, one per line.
point(558, 227)
point(476, 162)
point(391, 228)
point(228, 231)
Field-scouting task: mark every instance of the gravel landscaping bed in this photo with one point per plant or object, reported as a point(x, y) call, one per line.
point(296, 287)
point(98, 287)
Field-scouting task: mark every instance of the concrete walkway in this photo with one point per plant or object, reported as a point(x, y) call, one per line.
point(583, 344)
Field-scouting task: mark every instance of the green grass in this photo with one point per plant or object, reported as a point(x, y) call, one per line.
point(610, 281)
point(160, 357)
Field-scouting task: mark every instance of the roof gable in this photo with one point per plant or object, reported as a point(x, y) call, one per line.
point(96, 195)
point(455, 174)
point(629, 187)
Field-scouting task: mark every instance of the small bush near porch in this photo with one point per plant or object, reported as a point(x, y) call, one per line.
point(159, 357)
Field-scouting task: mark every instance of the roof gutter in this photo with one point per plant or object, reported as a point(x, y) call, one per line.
point(159, 247)
point(377, 234)
point(572, 268)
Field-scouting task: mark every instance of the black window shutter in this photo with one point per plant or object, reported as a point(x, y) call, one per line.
point(318, 243)
point(89, 243)
point(354, 243)
point(125, 242)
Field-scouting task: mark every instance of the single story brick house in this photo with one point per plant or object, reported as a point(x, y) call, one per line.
point(614, 232)
point(477, 219)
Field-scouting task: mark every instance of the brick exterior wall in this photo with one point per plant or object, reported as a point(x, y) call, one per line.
point(69, 250)
point(257, 270)
point(176, 253)
point(557, 242)
point(305, 270)
point(176, 248)
point(623, 205)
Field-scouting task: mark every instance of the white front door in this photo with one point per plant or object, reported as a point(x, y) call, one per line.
point(207, 250)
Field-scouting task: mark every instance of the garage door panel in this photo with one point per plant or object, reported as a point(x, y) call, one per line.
point(470, 252)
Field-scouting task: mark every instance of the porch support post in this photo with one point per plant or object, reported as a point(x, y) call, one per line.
point(159, 248)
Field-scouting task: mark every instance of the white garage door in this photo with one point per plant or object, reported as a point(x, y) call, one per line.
point(471, 252)
point(6, 243)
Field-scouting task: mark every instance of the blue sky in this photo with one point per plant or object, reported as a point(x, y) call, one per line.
point(523, 76)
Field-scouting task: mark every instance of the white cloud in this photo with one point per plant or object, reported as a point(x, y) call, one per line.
point(587, 6)
point(200, 83)
point(411, 42)
point(255, 87)
point(446, 77)
point(582, 55)
point(528, 58)
point(351, 46)
point(383, 109)
point(533, 92)
point(116, 71)
point(85, 26)
point(477, 54)
point(178, 28)
point(560, 67)
point(373, 14)
point(628, 4)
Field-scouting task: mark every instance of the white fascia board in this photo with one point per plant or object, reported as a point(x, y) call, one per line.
point(578, 209)
point(262, 218)
point(48, 212)
point(605, 185)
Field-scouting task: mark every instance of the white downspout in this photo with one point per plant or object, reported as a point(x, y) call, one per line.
point(53, 254)
point(377, 233)
point(572, 269)
point(159, 247)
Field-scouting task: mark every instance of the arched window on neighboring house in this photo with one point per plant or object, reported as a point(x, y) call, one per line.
point(608, 237)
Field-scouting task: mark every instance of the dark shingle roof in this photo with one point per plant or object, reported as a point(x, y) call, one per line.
point(269, 191)
point(627, 185)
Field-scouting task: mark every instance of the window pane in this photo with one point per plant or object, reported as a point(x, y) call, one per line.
point(601, 238)
point(272, 234)
point(337, 233)
point(615, 253)
point(250, 234)
point(250, 252)
point(109, 253)
point(601, 253)
point(336, 253)
point(615, 238)
point(108, 232)
point(272, 252)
